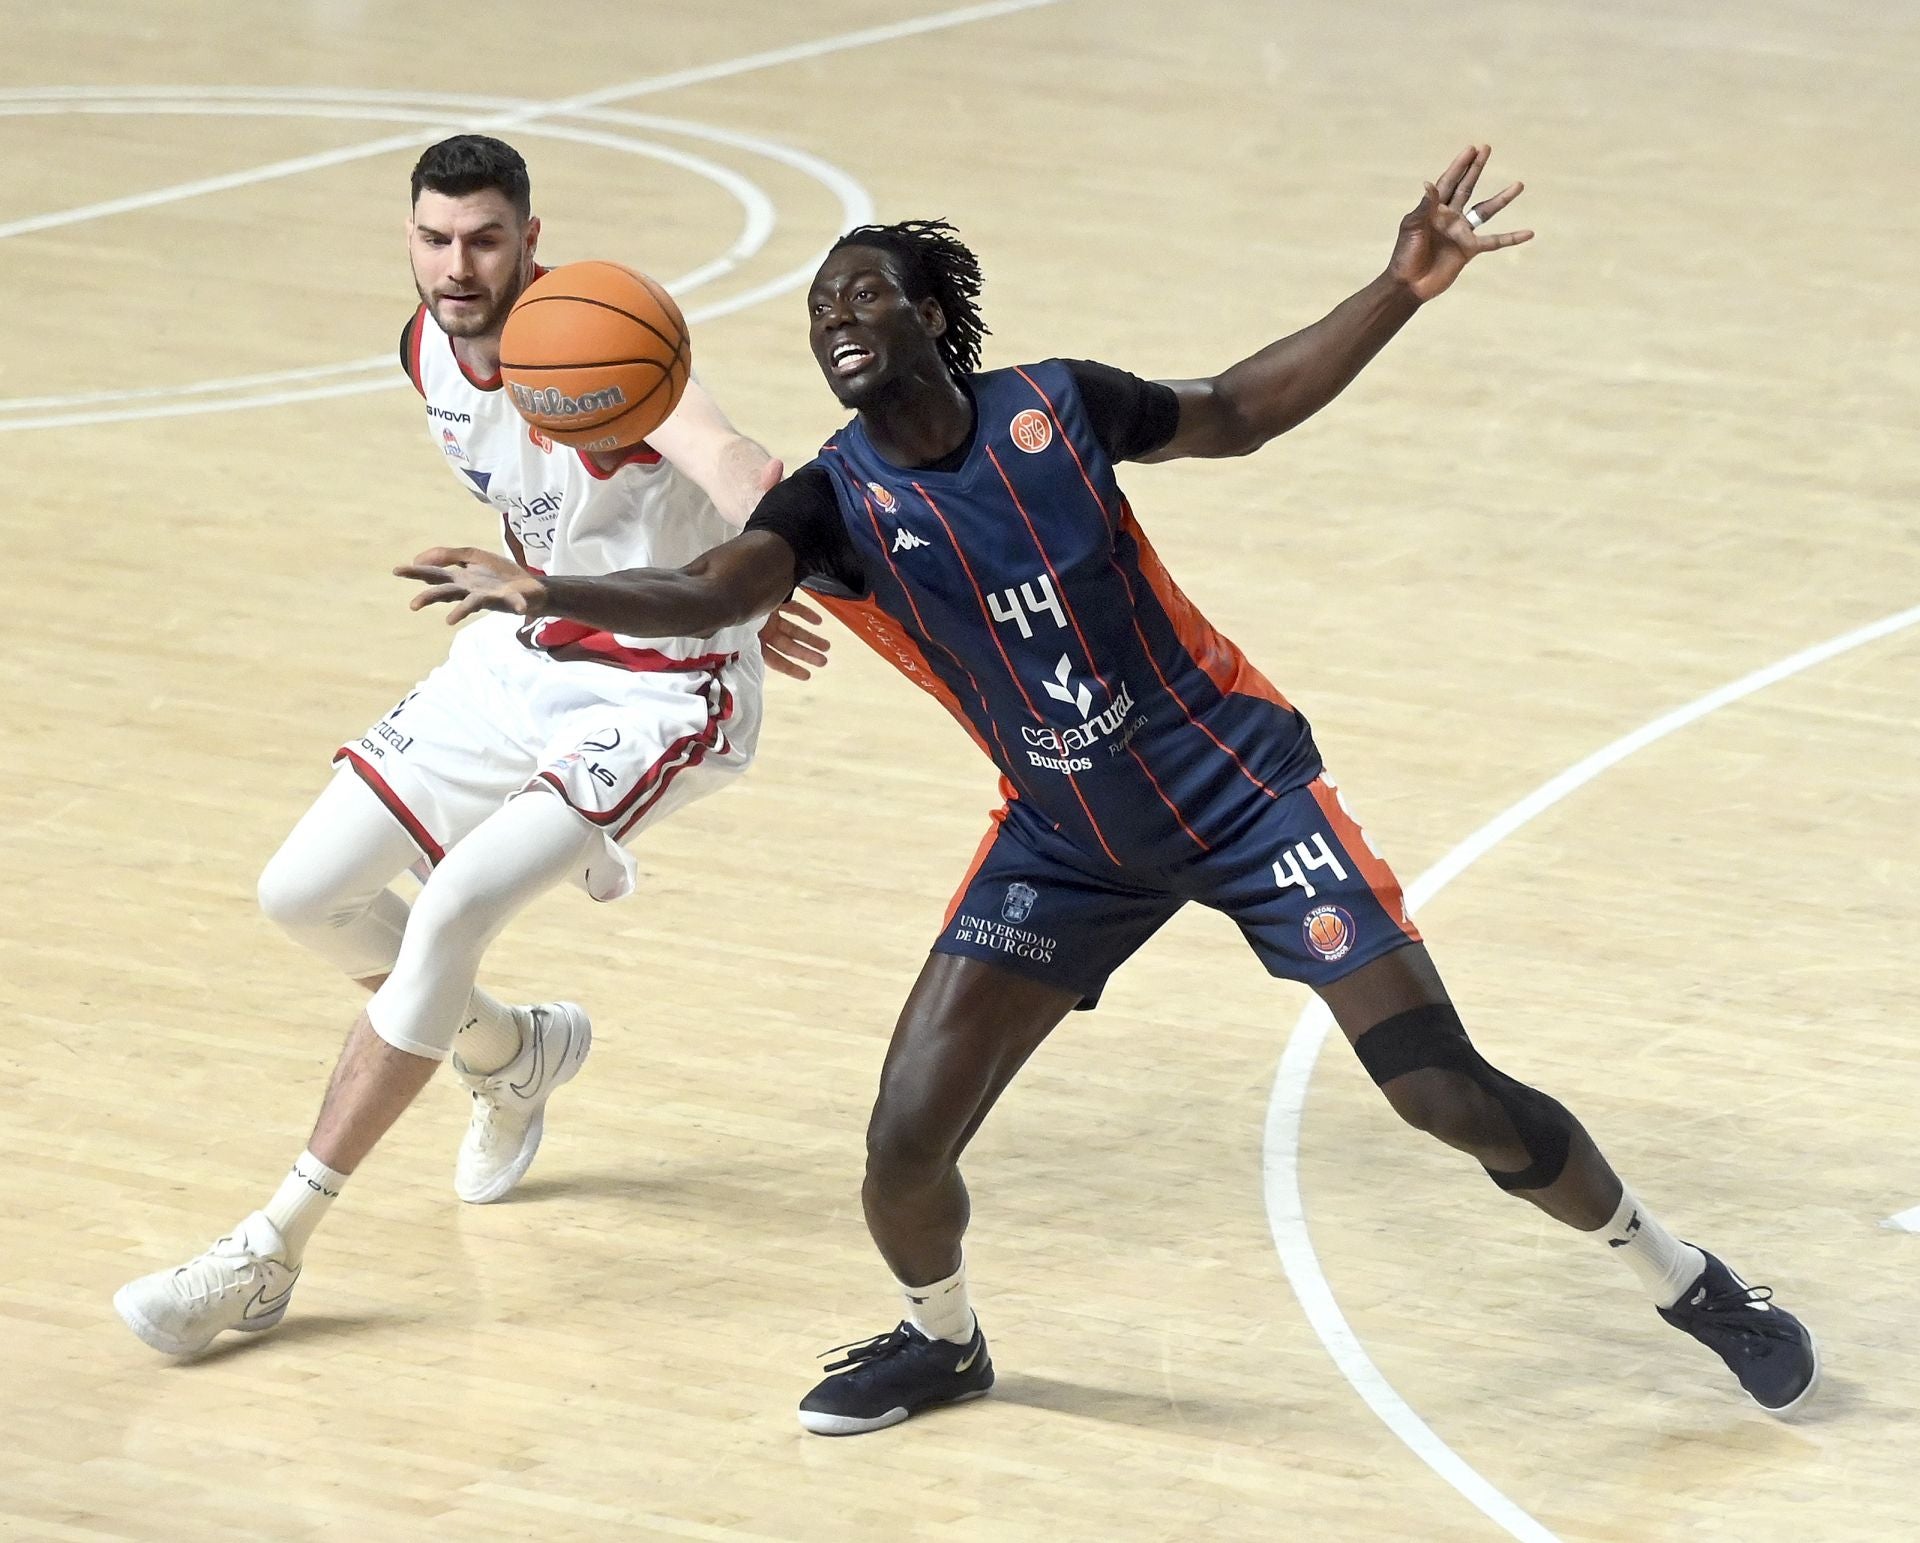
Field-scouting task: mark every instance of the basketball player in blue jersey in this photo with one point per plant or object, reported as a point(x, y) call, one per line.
point(969, 524)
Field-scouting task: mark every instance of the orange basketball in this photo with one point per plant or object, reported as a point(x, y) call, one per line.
point(595, 355)
point(1327, 930)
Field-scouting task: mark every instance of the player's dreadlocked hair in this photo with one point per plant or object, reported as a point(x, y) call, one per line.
point(934, 262)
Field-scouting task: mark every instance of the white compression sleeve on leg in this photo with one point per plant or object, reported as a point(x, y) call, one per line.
point(524, 849)
point(327, 885)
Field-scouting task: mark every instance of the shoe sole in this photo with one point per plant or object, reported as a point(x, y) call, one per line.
point(823, 1424)
point(157, 1338)
point(504, 1182)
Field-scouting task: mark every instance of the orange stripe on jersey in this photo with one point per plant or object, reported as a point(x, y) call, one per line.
point(887, 638)
point(986, 617)
point(926, 632)
point(1379, 877)
point(1086, 648)
point(1067, 440)
point(999, 818)
point(1225, 665)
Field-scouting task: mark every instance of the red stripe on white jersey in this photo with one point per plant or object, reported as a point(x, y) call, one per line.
point(411, 823)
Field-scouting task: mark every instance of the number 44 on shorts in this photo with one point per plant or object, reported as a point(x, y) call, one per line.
point(1300, 859)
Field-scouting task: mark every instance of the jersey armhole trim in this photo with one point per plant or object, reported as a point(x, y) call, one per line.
point(410, 338)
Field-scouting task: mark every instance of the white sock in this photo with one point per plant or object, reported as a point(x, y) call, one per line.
point(302, 1199)
point(490, 1036)
point(1665, 1266)
point(940, 1310)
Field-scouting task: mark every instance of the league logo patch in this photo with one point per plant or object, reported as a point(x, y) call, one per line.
point(1032, 431)
point(1329, 931)
point(883, 497)
point(451, 445)
point(1018, 905)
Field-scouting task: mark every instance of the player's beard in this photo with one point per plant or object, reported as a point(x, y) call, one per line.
point(474, 321)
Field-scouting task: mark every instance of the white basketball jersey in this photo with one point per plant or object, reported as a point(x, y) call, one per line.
point(559, 513)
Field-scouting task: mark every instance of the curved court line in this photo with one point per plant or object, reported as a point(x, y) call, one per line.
point(513, 118)
point(756, 207)
point(1286, 1211)
point(376, 372)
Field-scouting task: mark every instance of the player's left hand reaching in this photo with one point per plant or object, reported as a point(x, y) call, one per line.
point(1446, 232)
point(789, 648)
point(471, 580)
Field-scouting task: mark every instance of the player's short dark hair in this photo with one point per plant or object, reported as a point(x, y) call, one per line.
point(934, 263)
point(472, 163)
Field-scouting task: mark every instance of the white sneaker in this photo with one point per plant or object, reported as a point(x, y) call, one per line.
point(243, 1282)
point(509, 1106)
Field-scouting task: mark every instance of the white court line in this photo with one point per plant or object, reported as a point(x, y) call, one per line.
point(378, 372)
point(1286, 1210)
point(646, 86)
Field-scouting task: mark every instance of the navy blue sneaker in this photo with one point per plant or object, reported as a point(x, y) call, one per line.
point(881, 1381)
point(1765, 1346)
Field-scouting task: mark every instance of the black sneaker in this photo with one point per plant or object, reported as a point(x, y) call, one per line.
point(882, 1380)
point(1765, 1346)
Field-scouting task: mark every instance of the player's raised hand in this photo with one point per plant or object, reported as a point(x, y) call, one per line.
point(787, 646)
point(470, 580)
point(1444, 232)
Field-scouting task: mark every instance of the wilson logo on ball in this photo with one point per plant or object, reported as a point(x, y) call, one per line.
point(552, 402)
point(595, 356)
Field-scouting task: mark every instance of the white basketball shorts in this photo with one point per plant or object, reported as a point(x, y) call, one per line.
point(624, 748)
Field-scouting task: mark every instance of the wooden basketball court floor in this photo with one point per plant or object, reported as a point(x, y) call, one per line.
point(1669, 444)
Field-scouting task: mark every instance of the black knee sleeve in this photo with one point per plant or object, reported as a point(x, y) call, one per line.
point(1432, 1037)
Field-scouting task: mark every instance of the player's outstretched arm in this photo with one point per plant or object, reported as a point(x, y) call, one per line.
point(702, 442)
point(735, 582)
point(1287, 382)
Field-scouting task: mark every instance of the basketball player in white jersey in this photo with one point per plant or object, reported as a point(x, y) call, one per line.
point(605, 735)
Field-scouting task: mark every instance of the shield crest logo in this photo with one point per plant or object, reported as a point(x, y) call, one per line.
point(1018, 905)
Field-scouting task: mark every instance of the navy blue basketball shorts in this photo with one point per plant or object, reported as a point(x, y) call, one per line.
point(1308, 893)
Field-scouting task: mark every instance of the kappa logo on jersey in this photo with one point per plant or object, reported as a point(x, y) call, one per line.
point(545, 444)
point(1329, 932)
point(905, 540)
point(1018, 905)
point(1032, 430)
point(1060, 691)
point(883, 497)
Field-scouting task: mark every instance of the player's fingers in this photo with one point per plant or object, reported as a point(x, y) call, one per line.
point(423, 573)
point(1456, 169)
point(1471, 179)
point(793, 648)
point(1505, 238)
point(1487, 208)
point(440, 594)
point(793, 608)
point(793, 636)
point(783, 666)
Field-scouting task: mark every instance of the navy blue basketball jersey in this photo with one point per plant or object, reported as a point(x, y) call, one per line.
point(1019, 589)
